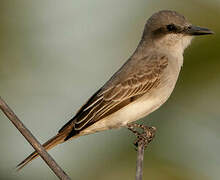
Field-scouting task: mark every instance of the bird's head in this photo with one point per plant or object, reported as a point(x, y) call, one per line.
point(169, 29)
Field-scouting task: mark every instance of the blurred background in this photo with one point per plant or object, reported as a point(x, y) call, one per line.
point(55, 54)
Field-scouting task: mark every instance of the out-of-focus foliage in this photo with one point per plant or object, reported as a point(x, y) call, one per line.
point(55, 54)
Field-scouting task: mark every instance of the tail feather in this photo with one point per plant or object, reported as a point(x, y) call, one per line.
point(59, 138)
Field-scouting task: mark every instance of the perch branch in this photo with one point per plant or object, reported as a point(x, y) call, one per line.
point(33, 141)
point(143, 139)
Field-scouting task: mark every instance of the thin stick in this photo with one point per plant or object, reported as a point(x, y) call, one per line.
point(33, 141)
point(143, 139)
point(139, 163)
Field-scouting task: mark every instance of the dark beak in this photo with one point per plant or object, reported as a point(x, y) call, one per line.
point(196, 31)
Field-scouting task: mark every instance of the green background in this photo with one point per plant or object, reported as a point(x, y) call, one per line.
point(55, 54)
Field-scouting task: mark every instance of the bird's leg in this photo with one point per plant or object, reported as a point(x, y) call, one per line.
point(145, 136)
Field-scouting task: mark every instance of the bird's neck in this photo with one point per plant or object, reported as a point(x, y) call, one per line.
point(170, 45)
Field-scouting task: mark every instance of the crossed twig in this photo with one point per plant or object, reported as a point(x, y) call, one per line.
point(143, 139)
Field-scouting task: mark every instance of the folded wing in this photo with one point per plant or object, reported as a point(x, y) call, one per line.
point(124, 87)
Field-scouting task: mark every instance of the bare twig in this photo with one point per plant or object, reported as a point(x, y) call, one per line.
point(143, 139)
point(33, 141)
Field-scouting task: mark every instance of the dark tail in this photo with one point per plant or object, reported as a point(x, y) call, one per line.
point(59, 138)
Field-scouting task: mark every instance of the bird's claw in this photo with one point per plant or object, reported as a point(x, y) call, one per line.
point(144, 136)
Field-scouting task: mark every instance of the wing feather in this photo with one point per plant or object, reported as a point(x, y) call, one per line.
point(125, 84)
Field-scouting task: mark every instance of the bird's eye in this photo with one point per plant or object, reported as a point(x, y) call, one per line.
point(171, 27)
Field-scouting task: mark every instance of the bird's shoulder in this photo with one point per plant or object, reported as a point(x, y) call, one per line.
point(143, 68)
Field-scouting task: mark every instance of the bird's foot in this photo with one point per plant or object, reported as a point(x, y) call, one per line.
point(144, 136)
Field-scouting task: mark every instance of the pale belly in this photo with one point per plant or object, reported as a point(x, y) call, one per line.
point(132, 112)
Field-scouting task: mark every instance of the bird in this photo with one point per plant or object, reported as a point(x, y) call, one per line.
point(140, 86)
